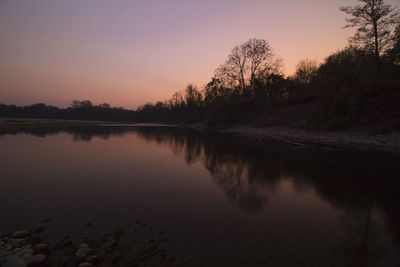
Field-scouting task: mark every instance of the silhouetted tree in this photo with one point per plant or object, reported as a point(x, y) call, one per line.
point(105, 106)
point(306, 69)
point(176, 101)
point(86, 103)
point(215, 92)
point(75, 104)
point(81, 104)
point(245, 62)
point(373, 20)
point(394, 53)
point(192, 96)
point(345, 68)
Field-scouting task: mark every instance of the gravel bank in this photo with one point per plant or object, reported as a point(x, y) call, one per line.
point(339, 139)
point(140, 245)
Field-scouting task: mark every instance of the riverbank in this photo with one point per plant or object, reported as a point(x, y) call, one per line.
point(389, 141)
point(18, 123)
point(14, 123)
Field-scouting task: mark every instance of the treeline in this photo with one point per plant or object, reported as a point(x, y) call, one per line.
point(352, 85)
point(79, 110)
point(342, 88)
point(357, 85)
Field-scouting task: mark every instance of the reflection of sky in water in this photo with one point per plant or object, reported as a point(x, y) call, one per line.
point(220, 201)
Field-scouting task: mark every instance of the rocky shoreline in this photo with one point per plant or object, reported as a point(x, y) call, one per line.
point(139, 246)
point(388, 142)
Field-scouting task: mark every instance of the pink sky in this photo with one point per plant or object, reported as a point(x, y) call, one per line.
point(127, 52)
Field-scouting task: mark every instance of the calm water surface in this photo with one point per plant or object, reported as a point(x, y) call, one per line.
point(224, 201)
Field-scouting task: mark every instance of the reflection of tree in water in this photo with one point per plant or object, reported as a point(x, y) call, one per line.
point(358, 242)
point(241, 191)
point(248, 172)
point(79, 133)
point(355, 183)
point(231, 173)
point(242, 182)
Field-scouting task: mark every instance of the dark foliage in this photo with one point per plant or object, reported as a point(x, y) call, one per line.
point(83, 110)
point(342, 92)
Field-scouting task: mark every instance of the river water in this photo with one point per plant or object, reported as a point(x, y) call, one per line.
point(223, 200)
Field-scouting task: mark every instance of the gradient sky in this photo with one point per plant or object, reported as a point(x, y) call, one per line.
point(130, 52)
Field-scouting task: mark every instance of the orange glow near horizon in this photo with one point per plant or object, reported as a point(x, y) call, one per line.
point(128, 53)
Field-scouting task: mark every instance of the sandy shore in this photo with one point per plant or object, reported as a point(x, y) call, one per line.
point(10, 123)
point(338, 139)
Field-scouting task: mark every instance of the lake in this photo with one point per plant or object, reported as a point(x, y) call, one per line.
point(223, 200)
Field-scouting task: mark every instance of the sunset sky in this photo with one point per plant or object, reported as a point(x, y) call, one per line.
point(127, 52)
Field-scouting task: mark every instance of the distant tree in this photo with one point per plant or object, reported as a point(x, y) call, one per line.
point(75, 104)
point(176, 100)
point(86, 104)
point(159, 106)
point(105, 106)
point(306, 69)
point(245, 62)
point(192, 96)
point(81, 104)
point(374, 20)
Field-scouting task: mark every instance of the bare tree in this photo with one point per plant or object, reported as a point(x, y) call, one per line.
point(306, 70)
point(246, 62)
point(374, 21)
point(192, 96)
point(395, 51)
point(81, 104)
point(105, 106)
point(176, 100)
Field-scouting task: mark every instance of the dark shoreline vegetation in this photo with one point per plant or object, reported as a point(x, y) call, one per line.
point(356, 88)
point(349, 90)
point(343, 93)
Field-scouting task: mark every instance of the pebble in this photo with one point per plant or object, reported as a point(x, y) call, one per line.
point(113, 244)
point(113, 256)
point(23, 252)
point(83, 245)
point(39, 229)
point(20, 234)
point(35, 259)
point(48, 219)
point(35, 238)
point(41, 247)
point(16, 242)
point(14, 262)
point(26, 256)
point(80, 257)
point(18, 249)
point(92, 259)
point(83, 250)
